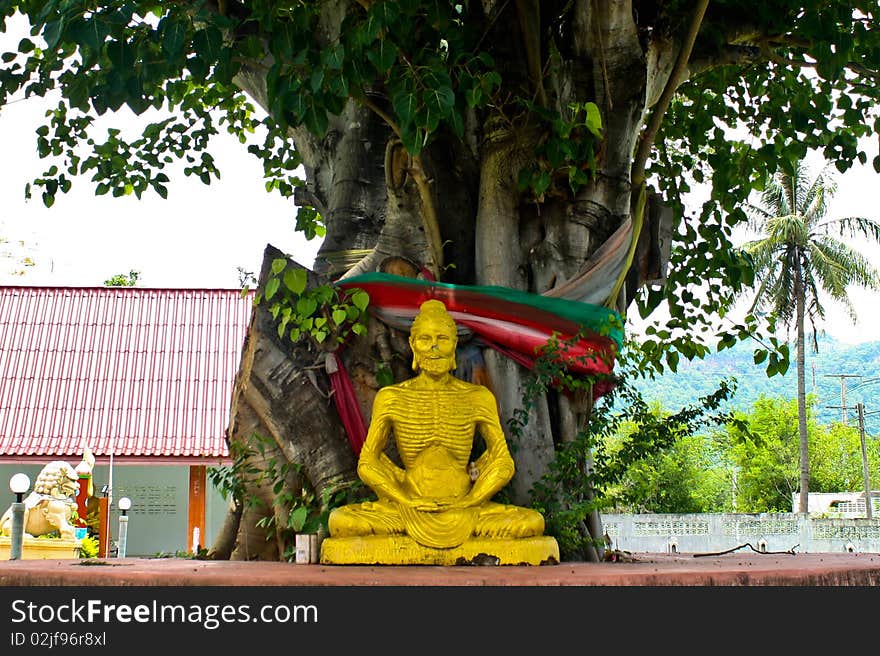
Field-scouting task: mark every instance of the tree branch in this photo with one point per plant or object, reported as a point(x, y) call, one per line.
point(730, 56)
point(429, 210)
point(647, 139)
point(747, 544)
point(530, 26)
point(864, 71)
point(429, 214)
point(381, 113)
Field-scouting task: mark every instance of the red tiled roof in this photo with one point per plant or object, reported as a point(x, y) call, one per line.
point(146, 373)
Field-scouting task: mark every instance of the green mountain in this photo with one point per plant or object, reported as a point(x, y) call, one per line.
point(838, 375)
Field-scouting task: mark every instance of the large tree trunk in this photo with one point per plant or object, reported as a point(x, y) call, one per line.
point(380, 203)
point(285, 431)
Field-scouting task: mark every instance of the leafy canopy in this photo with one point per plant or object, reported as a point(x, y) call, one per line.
point(184, 58)
point(765, 84)
point(803, 78)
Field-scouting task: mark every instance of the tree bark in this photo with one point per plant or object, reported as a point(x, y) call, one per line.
point(224, 543)
point(380, 202)
point(280, 396)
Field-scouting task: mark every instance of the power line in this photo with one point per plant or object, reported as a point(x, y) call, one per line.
point(842, 406)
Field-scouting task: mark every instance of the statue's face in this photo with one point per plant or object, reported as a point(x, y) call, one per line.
point(433, 345)
point(71, 487)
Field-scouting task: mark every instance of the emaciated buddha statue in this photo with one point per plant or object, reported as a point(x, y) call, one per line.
point(437, 509)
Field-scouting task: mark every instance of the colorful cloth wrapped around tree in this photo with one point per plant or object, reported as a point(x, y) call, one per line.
point(516, 323)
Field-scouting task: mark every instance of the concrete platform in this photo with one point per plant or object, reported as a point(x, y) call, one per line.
point(732, 569)
point(403, 550)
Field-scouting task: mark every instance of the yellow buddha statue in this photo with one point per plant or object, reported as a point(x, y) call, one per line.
point(437, 509)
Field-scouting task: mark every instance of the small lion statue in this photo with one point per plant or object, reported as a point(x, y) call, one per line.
point(51, 505)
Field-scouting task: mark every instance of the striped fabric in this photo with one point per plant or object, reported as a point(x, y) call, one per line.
point(516, 321)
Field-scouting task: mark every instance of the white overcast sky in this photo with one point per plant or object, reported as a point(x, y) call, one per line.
point(201, 234)
point(198, 237)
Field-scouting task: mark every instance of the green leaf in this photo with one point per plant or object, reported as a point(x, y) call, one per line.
point(339, 316)
point(334, 57)
point(284, 40)
point(444, 97)
point(324, 293)
point(473, 96)
point(278, 265)
point(383, 55)
point(208, 44)
point(52, 33)
point(272, 288)
point(541, 183)
point(316, 120)
point(306, 306)
point(295, 280)
point(173, 32)
point(360, 299)
point(384, 375)
point(317, 80)
point(198, 67)
point(593, 120)
point(122, 56)
point(405, 104)
point(577, 178)
point(298, 518)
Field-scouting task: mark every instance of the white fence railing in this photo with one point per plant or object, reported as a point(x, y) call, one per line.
point(716, 532)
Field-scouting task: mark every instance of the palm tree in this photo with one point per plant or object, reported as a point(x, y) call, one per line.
point(797, 258)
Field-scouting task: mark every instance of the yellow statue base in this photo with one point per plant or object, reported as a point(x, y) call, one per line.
point(41, 548)
point(403, 550)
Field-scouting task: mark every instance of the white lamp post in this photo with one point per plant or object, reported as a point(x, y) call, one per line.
point(124, 506)
point(19, 484)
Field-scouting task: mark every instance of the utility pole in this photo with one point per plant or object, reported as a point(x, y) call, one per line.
point(868, 508)
point(842, 405)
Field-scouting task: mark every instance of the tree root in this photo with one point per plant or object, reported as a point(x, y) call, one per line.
point(791, 551)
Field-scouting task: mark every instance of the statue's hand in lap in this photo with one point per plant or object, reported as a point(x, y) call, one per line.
point(435, 480)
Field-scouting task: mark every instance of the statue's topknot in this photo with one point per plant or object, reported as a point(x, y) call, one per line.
point(436, 310)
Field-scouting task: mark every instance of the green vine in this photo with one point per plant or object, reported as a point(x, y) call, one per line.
point(325, 315)
point(566, 159)
point(583, 470)
point(300, 511)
